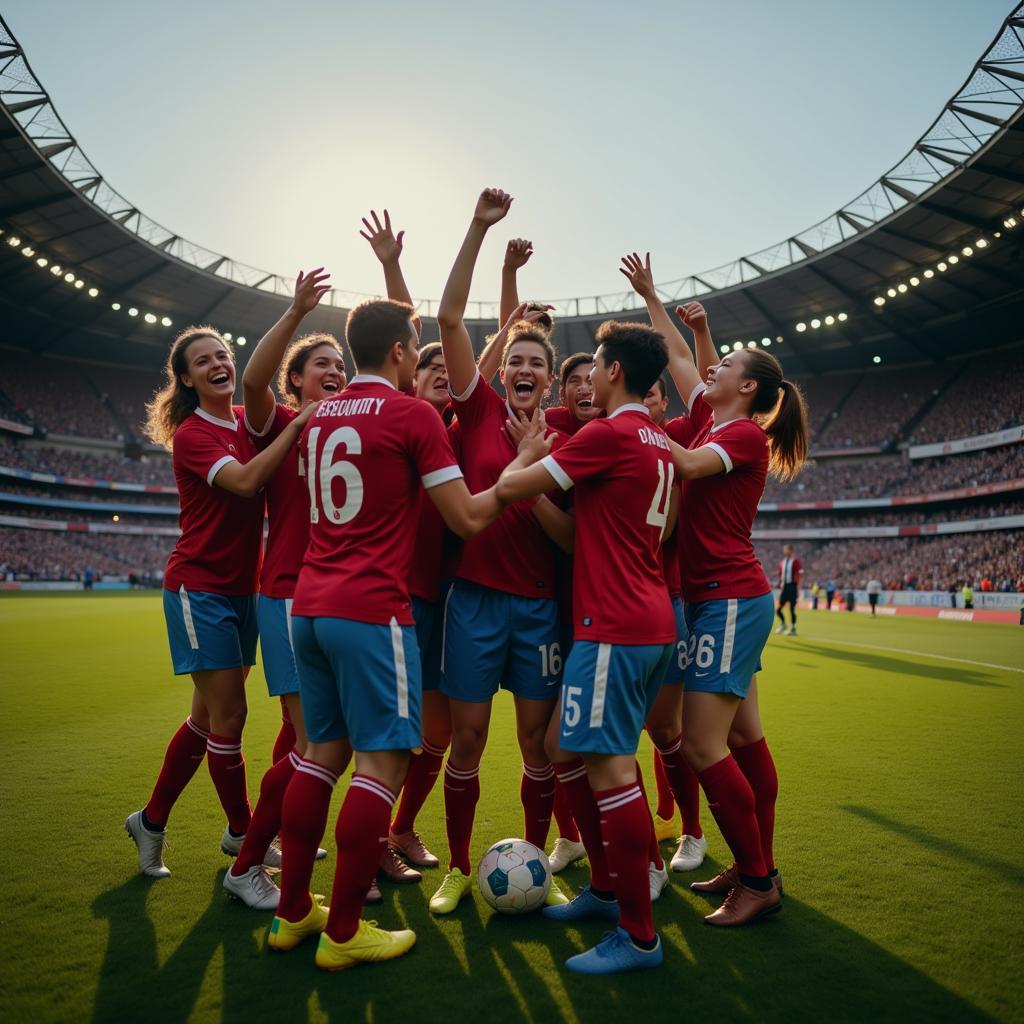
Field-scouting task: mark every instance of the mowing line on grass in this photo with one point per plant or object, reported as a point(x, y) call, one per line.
point(904, 650)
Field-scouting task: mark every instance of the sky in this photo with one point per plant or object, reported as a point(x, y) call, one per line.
point(698, 130)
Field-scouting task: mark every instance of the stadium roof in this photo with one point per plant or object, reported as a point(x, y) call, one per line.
point(924, 264)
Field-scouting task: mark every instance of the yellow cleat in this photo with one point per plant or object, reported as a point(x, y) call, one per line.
point(369, 945)
point(450, 892)
point(555, 896)
point(665, 829)
point(285, 935)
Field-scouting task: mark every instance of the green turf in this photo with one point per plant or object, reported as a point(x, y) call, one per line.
point(899, 837)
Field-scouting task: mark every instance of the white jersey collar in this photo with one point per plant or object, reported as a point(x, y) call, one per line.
point(371, 378)
point(231, 424)
point(631, 407)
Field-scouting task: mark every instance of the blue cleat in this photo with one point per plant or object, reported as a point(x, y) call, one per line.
point(615, 954)
point(584, 907)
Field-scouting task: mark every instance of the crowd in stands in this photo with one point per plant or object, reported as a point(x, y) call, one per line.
point(55, 555)
point(910, 563)
point(920, 515)
point(60, 493)
point(987, 395)
point(154, 469)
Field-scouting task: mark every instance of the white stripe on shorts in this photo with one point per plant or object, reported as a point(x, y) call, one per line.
point(288, 602)
point(186, 613)
point(730, 635)
point(401, 678)
point(604, 654)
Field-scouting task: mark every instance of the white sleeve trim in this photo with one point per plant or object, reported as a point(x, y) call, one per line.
point(218, 466)
point(465, 394)
point(559, 475)
point(723, 454)
point(699, 389)
point(441, 476)
point(266, 429)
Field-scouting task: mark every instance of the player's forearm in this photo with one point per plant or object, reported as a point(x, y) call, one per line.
point(681, 367)
point(704, 345)
point(396, 288)
point(559, 526)
point(509, 294)
point(266, 357)
point(248, 479)
point(692, 465)
point(452, 308)
point(490, 359)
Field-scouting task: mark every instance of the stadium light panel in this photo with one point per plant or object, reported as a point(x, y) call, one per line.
point(150, 318)
point(915, 281)
point(723, 349)
point(901, 288)
point(954, 259)
point(941, 267)
point(842, 318)
point(166, 321)
point(69, 277)
point(227, 335)
point(778, 338)
point(929, 273)
point(967, 250)
point(133, 311)
point(28, 251)
point(55, 269)
point(79, 283)
point(93, 292)
point(737, 345)
point(241, 340)
point(801, 327)
point(830, 320)
point(751, 344)
point(766, 342)
point(42, 261)
point(815, 323)
point(891, 293)
point(115, 306)
point(879, 301)
point(981, 243)
point(14, 241)
point(116, 518)
point(876, 359)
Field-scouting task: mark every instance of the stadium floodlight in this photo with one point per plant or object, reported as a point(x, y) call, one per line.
point(879, 301)
point(116, 518)
point(241, 339)
point(901, 288)
point(69, 277)
point(133, 311)
point(150, 318)
point(751, 344)
point(967, 250)
point(227, 335)
point(28, 251)
point(79, 283)
point(723, 349)
point(115, 306)
point(981, 243)
point(778, 338)
point(42, 261)
point(815, 323)
point(891, 292)
point(14, 241)
point(941, 267)
point(915, 281)
point(801, 327)
point(830, 320)
point(93, 292)
point(953, 259)
point(876, 359)
point(766, 342)
point(929, 273)
point(842, 318)
point(166, 321)
point(737, 345)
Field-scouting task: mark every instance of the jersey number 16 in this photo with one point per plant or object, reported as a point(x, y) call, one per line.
point(322, 477)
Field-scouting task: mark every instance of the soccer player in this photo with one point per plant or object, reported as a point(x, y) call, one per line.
point(790, 571)
point(366, 455)
point(313, 369)
point(625, 634)
point(577, 404)
point(501, 616)
point(874, 590)
point(211, 578)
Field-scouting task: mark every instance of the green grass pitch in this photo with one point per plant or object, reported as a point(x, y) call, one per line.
point(899, 746)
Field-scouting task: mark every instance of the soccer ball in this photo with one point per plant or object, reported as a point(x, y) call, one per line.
point(514, 876)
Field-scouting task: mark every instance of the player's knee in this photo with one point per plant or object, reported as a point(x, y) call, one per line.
point(662, 736)
point(531, 744)
point(229, 720)
point(468, 743)
point(699, 751)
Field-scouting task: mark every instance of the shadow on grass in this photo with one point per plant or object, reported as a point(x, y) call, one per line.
point(799, 965)
point(939, 844)
point(900, 666)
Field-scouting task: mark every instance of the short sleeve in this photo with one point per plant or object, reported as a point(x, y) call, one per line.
point(680, 430)
point(474, 405)
point(700, 411)
point(203, 453)
point(427, 440)
point(740, 443)
point(585, 454)
point(276, 422)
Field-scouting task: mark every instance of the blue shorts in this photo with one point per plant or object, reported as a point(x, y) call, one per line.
point(607, 693)
point(358, 680)
point(428, 639)
point(210, 631)
point(674, 672)
point(492, 638)
point(274, 615)
point(726, 640)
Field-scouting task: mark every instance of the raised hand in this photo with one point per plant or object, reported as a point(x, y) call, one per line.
point(521, 312)
point(492, 206)
point(310, 288)
point(638, 273)
point(517, 253)
point(387, 247)
point(693, 315)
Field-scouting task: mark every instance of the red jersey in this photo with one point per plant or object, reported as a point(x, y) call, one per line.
point(513, 554)
point(287, 512)
point(221, 533)
point(367, 453)
point(622, 470)
point(790, 571)
point(716, 516)
point(670, 564)
point(559, 418)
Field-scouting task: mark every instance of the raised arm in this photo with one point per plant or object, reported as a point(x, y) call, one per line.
point(247, 479)
point(681, 366)
point(695, 318)
point(491, 207)
point(517, 254)
point(266, 357)
point(696, 463)
point(387, 247)
point(490, 359)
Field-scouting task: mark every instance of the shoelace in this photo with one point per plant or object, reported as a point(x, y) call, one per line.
point(262, 883)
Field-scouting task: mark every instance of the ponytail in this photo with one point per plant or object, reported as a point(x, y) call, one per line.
point(779, 406)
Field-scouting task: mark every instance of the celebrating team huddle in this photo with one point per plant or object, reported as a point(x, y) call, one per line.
point(431, 541)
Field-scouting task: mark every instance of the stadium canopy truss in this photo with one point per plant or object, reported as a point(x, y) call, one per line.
point(922, 265)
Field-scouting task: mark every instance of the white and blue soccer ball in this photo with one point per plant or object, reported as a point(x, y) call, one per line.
point(514, 876)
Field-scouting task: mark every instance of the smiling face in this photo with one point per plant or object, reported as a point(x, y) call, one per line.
point(431, 382)
point(209, 369)
point(322, 375)
point(578, 394)
point(408, 355)
point(657, 403)
point(526, 375)
point(727, 381)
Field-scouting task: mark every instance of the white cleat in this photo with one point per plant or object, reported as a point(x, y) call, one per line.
point(231, 845)
point(255, 888)
point(658, 879)
point(566, 852)
point(151, 846)
point(779, 630)
point(690, 854)
point(272, 858)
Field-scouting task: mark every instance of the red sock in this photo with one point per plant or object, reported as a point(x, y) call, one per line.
point(666, 801)
point(184, 755)
point(423, 771)
point(624, 822)
point(562, 812)
point(461, 793)
point(573, 777)
point(227, 769)
point(731, 801)
point(757, 765)
point(266, 818)
point(285, 741)
point(537, 792)
point(653, 853)
point(684, 785)
point(303, 820)
point(361, 833)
